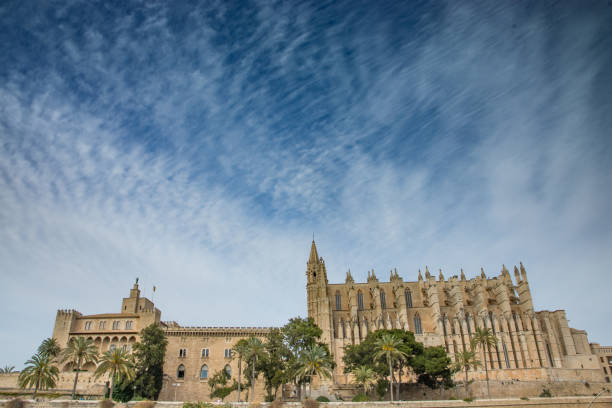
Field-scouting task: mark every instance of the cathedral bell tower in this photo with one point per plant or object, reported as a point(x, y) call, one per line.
point(318, 301)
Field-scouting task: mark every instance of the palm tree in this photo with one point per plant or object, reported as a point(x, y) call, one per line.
point(485, 339)
point(79, 351)
point(240, 350)
point(116, 362)
point(388, 347)
point(314, 361)
point(464, 361)
point(49, 347)
point(255, 349)
point(366, 377)
point(39, 373)
point(7, 369)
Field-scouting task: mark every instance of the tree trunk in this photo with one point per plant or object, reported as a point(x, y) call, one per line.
point(252, 397)
point(239, 372)
point(110, 396)
point(399, 382)
point(76, 377)
point(36, 389)
point(390, 377)
point(467, 391)
point(486, 371)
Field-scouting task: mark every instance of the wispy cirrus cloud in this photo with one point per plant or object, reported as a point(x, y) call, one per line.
point(199, 148)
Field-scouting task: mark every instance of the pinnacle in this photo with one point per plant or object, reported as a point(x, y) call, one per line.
point(314, 256)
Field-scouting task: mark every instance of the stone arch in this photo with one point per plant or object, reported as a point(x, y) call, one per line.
point(124, 339)
point(180, 371)
point(115, 339)
point(132, 339)
point(68, 367)
point(89, 367)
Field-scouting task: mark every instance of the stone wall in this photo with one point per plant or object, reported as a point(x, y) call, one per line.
point(567, 402)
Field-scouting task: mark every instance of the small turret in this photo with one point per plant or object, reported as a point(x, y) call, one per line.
point(441, 277)
point(517, 276)
point(482, 274)
point(372, 276)
point(427, 274)
point(462, 275)
point(349, 277)
point(523, 271)
point(420, 276)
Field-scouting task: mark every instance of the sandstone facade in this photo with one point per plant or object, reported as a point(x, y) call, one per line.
point(535, 349)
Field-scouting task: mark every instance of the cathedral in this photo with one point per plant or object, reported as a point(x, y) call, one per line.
point(534, 349)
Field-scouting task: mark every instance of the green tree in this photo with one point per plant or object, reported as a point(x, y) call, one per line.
point(39, 372)
point(434, 368)
point(365, 377)
point(116, 363)
point(49, 347)
point(256, 350)
point(298, 335)
point(315, 361)
point(79, 351)
point(218, 385)
point(7, 369)
point(464, 361)
point(240, 351)
point(388, 347)
point(149, 355)
point(273, 364)
point(484, 339)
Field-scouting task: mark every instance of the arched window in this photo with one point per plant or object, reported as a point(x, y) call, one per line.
point(228, 370)
point(180, 373)
point(338, 301)
point(343, 329)
point(204, 372)
point(506, 355)
point(408, 298)
point(417, 325)
point(383, 300)
point(359, 300)
point(467, 323)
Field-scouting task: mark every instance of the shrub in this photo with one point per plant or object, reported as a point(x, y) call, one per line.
point(14, 403)
point(452, 398)
point(276, 404)
point(468, 399)
point(198, 404)
point(322, 398)
point(310, 403)
point(106, 403)
point(144, 404)
point(361, 398)
point(545, 393)
point(524, 398)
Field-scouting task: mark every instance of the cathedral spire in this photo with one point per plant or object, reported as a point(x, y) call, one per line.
point(314, 256)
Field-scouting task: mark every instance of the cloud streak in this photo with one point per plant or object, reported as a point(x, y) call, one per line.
point(199, 149)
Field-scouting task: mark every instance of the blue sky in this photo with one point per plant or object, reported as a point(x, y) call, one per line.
point(198, 146)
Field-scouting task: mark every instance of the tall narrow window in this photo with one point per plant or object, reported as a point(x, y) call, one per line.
point(516, 325)
point(444, 323)
point(506, 355)
point(204, 372)
point(228, 370)
point(408, 298)
point(343, 329)
point(383, 300)
point(180, 372)
point(417, 325)
point(205, 352)
point(550, 359)
point(359, 300)
point(492, 320)
point(338, 301)
point(467, 323)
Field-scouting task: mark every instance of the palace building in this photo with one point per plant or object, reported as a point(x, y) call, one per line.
point(535, 349)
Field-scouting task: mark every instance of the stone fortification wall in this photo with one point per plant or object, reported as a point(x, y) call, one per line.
point(568, 402)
